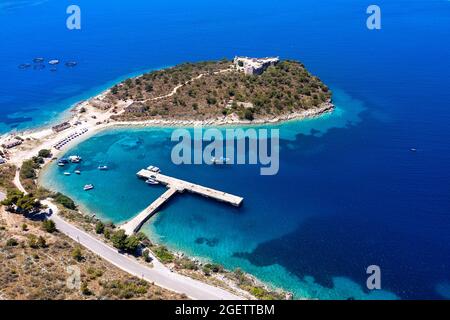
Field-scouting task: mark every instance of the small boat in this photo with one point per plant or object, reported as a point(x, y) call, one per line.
point(151, 181)
point(53, 62)
point(61, 164)
point(413, 150)
point(156, 170)
point(71, 64)
point(103, 168)
point(38, 60)
point(88, 187)
point(67, 173)
point(150, 168)
point(24, 66)
point(75, 159)
point(77, 172)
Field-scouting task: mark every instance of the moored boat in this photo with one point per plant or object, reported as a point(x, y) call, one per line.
point(88, 187)
point(103, 168)
point(151, 181)
point(75, 159)
point(77, 172)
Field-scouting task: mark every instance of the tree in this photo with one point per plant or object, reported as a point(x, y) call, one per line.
point(44, 153)
point(49, 226)
point(77, 255)
point(27, 204)
point(132, 243)
point(248, 114)
point(118, 239)
point(99, 227)
point(65, 201)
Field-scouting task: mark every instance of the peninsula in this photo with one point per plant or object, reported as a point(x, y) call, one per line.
point(242, 91)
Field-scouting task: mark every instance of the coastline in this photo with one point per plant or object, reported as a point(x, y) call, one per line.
point(96, 121)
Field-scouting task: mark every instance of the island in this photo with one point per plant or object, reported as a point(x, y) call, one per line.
point(220, 92)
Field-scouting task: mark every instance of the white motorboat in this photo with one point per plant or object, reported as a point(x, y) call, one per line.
point(151, 181)
point(88, 187)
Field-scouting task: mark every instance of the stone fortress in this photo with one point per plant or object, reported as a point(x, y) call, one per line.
point(254, 66)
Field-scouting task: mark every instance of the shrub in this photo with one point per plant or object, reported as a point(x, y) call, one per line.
point(49, 226)
point(77, 255)
point(45, 153)
point(99, 227)
point(11, 242)
point(118, 239)
point(65, 201)
point(164, 254)
point(132, 243)
point(85, 290)
point(248, 114)
point(35, 242)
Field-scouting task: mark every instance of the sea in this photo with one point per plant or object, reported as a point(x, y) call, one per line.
point(368, 184)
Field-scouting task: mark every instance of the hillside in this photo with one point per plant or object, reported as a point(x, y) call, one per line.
point(214, 90)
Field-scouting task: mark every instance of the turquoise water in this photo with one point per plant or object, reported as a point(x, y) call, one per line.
point(349, 193)
point(201, 227)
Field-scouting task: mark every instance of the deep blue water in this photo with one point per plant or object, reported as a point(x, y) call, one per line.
point(348, 195)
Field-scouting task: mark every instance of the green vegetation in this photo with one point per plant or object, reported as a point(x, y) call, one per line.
point(99, 227)
point(45, 153)
point(125, 289)
point(118, 239)
point(246, 283)
point(131, 244)
point(28, 169)
point(77, 255)
point(48, 226)
point(282, 89)
point(163, 254)
point(122, 242)
point(65, 201)
point(7, 173)
point(85, 289)
point(36, 242)
point(12, 242)
point(17, 201)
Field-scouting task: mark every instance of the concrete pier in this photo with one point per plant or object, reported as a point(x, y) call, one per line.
point(174, 185)
point(182, 186)
point(136, 223)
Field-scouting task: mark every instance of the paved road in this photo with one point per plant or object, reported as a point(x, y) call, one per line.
point(159, 274)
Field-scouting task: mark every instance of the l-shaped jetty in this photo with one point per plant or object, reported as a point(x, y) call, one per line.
point(174, 186)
